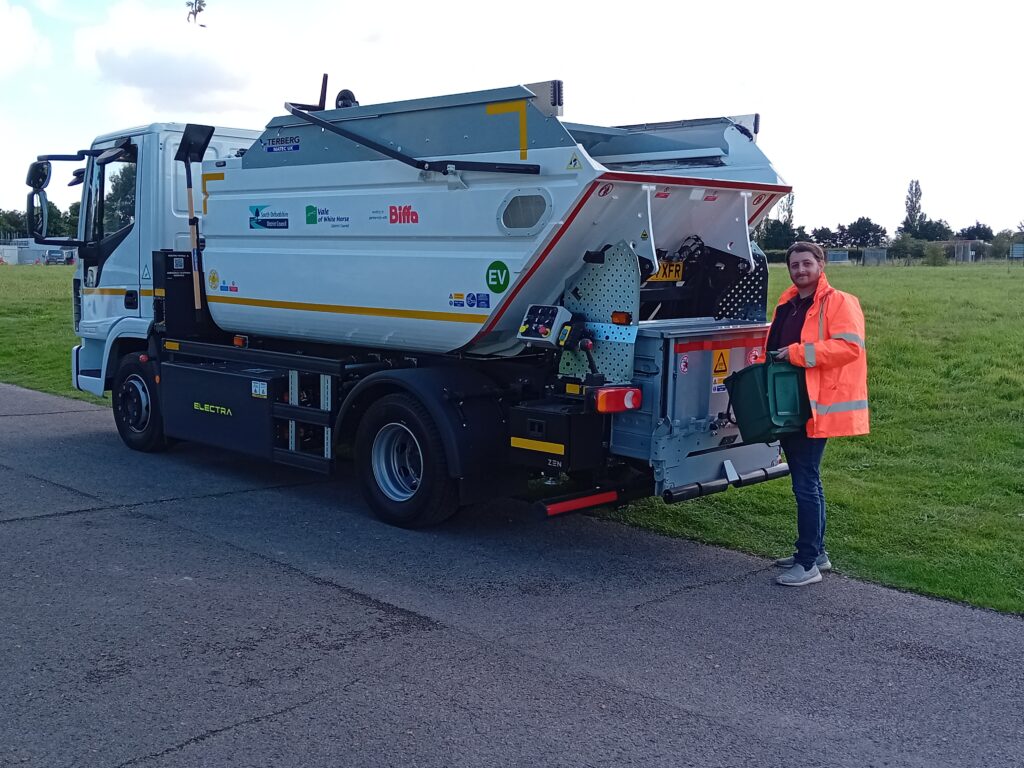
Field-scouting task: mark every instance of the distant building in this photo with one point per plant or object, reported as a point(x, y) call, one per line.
point(875, 257)
point(964, 250)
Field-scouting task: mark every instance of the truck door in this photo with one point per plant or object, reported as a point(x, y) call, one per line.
point(110, 259)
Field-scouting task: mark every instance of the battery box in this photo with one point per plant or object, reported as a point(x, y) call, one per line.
point(229, 405)
point(557, 435)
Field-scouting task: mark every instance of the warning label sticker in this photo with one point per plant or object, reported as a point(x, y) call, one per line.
point(721, 366)
point(719, 369)
point(574, 163)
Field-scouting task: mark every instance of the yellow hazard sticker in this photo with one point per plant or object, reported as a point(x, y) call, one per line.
point(719, 369)
point(574, 163)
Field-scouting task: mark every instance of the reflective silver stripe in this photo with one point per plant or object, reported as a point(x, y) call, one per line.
point(809, 355)
point(850, 337)
point(821, 319)
point(849, 405)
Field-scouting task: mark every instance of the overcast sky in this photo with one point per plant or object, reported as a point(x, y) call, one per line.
point(856, 99)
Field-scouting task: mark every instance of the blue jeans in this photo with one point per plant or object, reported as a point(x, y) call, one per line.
point(803, 454)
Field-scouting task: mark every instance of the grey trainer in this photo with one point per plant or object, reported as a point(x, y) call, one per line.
point(798, 577)
point(822, 561)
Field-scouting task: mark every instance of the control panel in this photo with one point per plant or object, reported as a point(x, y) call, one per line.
point(546, 325)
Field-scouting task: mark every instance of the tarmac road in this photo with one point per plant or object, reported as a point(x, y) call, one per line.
point(198, 609)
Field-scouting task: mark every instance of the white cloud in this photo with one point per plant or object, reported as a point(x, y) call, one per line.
point(170, 79)
point(64, 10)
point(21, 46)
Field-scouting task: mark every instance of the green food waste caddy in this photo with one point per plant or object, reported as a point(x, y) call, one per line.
point(769, 400)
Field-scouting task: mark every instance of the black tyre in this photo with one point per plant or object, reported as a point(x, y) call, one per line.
point(401, 464)
point(136, 405)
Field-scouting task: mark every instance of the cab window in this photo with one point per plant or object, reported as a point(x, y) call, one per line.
point(112, 197)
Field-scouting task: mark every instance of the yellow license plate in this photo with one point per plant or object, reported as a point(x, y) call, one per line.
point(668, 272)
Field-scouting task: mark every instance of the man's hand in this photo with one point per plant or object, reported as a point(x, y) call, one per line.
point(783, 355)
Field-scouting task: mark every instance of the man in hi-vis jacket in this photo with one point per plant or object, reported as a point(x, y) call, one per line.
point(820, 329)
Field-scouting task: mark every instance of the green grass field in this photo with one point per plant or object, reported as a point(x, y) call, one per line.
point(36, 328)
point(932, 500)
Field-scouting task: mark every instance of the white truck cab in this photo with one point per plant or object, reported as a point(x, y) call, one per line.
point(132, 204)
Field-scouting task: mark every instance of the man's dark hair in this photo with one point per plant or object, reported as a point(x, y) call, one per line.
point(812, 248)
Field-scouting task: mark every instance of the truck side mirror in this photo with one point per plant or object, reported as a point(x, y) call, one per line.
point(38, 175)
point(37, 214)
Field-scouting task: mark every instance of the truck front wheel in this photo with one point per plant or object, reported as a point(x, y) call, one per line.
point(136, 405)
point(401, 464)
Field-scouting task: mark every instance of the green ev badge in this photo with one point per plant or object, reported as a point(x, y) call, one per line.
point(498, 277)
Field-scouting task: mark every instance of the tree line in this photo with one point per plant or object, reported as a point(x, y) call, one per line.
point(59, 223)
point(912, 237)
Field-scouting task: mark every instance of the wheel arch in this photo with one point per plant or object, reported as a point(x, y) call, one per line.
point(128, 335)
point(465, 405)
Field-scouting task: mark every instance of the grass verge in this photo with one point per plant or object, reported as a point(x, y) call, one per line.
point(37, 330)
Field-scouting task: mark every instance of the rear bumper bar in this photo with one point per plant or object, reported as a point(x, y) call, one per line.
point(601, 496)
point(693, 490)
point(616, 495)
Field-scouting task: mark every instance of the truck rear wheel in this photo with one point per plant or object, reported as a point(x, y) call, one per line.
point(401, 464)
point(137, 406)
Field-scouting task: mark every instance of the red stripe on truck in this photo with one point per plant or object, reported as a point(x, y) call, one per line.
point(764, 205)
point(690, 181)
point(709, 344)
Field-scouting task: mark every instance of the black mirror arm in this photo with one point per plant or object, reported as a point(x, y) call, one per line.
point(79, 155)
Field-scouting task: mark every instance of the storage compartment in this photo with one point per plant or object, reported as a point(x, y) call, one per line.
point(224, 404)
point(769, 400)
point(174, 296)
point(556, 435)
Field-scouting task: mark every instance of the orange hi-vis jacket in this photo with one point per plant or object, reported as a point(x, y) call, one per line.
point(832, 350)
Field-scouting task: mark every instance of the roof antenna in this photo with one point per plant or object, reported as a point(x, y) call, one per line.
point(321, 105)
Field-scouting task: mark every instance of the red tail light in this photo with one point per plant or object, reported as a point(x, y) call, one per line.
point(617, 399)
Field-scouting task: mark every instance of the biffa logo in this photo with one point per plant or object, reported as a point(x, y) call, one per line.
point(402, 214)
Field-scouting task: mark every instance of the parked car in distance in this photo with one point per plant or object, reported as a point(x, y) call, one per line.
point(57, 256)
